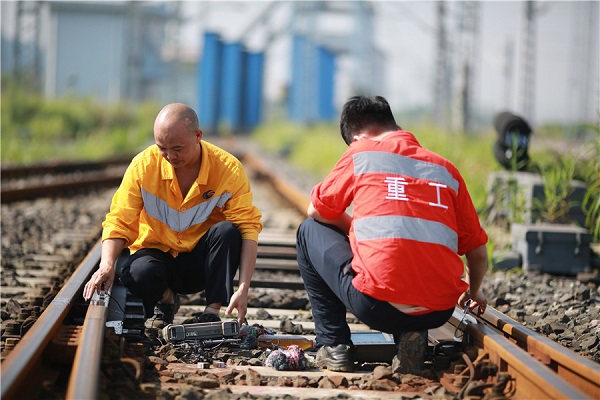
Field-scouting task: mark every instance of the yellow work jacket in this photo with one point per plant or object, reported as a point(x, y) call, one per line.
point(149, 211)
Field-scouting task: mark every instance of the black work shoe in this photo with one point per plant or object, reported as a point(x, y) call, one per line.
point(207, 317)
point(410, 358)
point(163, 316)
point(336, 358)
point(168, 310)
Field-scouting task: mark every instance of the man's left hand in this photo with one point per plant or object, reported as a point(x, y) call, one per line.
point(239, 301)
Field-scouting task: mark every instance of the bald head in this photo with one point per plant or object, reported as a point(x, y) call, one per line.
point(178, 136)
point(176, 114)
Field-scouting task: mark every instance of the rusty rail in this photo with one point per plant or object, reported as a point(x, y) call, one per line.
point(533, 379)
point(85, 375)
point(10, 193)
point(579, 371)
point(60, 167)
point(27, 355)
point(296, 197)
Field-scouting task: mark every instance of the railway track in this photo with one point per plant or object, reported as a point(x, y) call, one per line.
point(59, 178)
point(65, 346)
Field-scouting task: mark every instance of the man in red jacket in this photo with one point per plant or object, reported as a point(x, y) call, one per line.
point(395, 263)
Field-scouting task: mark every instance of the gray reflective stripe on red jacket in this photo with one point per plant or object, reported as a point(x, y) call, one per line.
point(382, 162)
point(177, 220)
point(396, 227)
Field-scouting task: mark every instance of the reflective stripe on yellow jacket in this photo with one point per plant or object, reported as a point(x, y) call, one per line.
point(148, 210)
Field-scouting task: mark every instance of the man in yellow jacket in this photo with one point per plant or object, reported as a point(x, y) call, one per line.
point(184, 209)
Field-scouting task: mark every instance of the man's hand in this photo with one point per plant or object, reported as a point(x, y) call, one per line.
point(239, 301)
point(478, 300)
point(342, 222)
point(111, 248)
point(102, 279)
point(476, 266)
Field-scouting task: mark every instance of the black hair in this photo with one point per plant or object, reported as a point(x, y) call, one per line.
point(362, 112)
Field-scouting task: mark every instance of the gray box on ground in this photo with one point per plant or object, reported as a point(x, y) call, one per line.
point(552, 248)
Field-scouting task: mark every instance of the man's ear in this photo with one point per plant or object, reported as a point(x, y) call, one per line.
point(358, 137)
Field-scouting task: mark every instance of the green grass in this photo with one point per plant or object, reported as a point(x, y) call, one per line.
point(35, 129)
point(589, 167)
point(313, 148)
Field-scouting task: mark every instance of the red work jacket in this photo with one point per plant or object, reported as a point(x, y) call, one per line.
point(412, 219)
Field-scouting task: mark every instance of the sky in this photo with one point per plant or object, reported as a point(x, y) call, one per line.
point(404, 32)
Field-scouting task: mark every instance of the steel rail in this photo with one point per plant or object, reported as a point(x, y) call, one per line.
point(280, 252)
point(58, 167)
point(85, 374)
point(10, 194)
point(534, 380)
point(296, 197)
point(269, 284)
point(28, 353)
point(581, 372)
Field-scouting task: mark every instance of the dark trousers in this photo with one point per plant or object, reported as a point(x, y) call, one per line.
point(324, 255)
point(210, 267)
